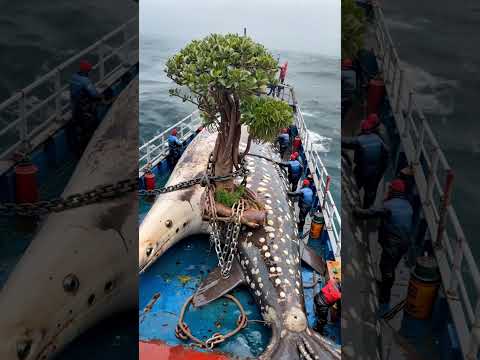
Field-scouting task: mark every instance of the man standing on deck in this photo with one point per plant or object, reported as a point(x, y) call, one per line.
point(371, 158)
point(174, 148)
point(314, 190)
point(295, 171)
point(305, 195)
point(83, 98)
point(283, 142)
point(393, 235)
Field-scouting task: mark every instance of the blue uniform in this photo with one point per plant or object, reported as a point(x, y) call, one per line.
point(283, 139)
point(81, 87)
point(371, 156)
point(394, 237)
point(306, 196)
point(174, 146)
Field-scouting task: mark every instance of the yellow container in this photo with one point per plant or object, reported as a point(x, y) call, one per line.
point(422, 288)
point(316, 227)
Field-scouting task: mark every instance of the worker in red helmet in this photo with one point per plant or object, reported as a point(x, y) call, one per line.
point(83, 100)
point(175, 148)
point(394, 234)
point(283, 141)
point(305, 202)
point(323, 301)
point(370, 158)
point(295, 171)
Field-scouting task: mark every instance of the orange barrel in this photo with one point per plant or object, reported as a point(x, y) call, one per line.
point(26, 189)
point(423, 288)
point(376, 90)
point(317, 225)
point(149, 179)
point(297, 142)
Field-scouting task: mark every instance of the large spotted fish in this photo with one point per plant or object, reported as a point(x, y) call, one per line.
point(268, 259)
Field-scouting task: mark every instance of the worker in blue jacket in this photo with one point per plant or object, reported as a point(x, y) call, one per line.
point(283, 142)
point(305, 196)
point(370, 158)
point(295, 171)
point(175, 147)
point(394, 235)
point(83, 99)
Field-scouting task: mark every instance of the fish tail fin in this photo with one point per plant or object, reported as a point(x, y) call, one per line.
point(304, 345)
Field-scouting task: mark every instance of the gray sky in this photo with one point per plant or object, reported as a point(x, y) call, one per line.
point(303, 25)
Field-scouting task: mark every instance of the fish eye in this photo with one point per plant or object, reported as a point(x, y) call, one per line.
point(71, 283)
point(149, 251)
point(23, 349)
point(168, 223)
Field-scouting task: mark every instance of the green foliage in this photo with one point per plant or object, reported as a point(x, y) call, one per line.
point(221, 62)
point(229, 198)
point(353, 28)
point(265, 117)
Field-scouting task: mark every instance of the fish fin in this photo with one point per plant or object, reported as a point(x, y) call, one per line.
point(214, 285)
point(312, 259)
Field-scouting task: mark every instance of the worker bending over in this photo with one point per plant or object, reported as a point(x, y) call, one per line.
point(370, 158)
point(305, 202)
point(393, 235)
point(295, 171)
point(174, 147)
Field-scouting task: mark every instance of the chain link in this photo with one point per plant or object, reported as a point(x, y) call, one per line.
point(108, 192)
point(99, 194)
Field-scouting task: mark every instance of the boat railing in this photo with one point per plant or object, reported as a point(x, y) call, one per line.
point(44, 104)
point(322, 180)
point(434, 177)
point(157, 148)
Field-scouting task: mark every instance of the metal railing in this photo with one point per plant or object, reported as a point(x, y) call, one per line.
point(156, 148)
point(321, 178)
point(434, 177)
point(45, 104)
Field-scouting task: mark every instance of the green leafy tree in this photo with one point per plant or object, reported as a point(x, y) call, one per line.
point(353, 28)
point(223, 76)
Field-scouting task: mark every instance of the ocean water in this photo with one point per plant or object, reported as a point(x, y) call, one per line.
point(316, 79)
point(437, 41)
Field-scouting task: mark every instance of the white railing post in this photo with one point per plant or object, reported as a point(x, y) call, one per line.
point(101, 61)
point(58, 96)
point(420, 141)
point(23, 122)
point(432, 174)
point(399, 92)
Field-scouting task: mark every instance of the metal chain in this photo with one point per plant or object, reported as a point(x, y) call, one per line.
point(98, 194)
point(203, 180)
point(102, 193)
point(231, 243)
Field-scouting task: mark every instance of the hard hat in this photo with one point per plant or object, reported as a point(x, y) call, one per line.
point(369, 124)
point(296, 154)
point(292, 157)
point(174, 132)
point(306, 182)
point(347, 63)
point(85, 66)
point(398, 186)
point(373, 119)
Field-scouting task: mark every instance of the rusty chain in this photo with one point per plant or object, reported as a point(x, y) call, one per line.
point(103, 193)
point(182, 331)
point(98, 194)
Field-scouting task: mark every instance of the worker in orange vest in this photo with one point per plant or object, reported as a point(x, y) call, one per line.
point(323, 301)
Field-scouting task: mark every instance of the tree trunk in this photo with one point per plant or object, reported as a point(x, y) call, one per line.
point(226, 146)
